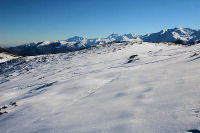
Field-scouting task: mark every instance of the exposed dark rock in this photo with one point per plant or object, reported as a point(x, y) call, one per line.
point(4, 107)
point(194, 54)
point(13, 103)
point(194, 131)
point(133, 58)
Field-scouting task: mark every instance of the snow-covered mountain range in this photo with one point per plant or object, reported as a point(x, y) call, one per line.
point(186, 35)
point(177, 35)
point(118, 84)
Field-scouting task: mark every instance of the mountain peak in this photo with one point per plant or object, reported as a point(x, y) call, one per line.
point(75, 39)
point(163, 31)
point(113, 35)
point(180, 28)
point(187, 35)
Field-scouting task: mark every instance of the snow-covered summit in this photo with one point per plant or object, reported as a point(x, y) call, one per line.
point(113, 36)
point(186, 35)
point(75, 39)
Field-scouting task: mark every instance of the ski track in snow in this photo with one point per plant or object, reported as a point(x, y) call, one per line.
point(97, 91)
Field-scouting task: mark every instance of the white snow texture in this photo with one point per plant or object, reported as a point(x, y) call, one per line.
point(118, 88)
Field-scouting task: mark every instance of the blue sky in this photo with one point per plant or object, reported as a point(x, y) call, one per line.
point(24, 21)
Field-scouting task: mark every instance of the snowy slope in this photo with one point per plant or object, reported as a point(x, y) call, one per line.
point(119, 88)
point(6, 55)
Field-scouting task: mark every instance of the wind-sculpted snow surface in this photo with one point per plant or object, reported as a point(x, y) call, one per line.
point(118, 88)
